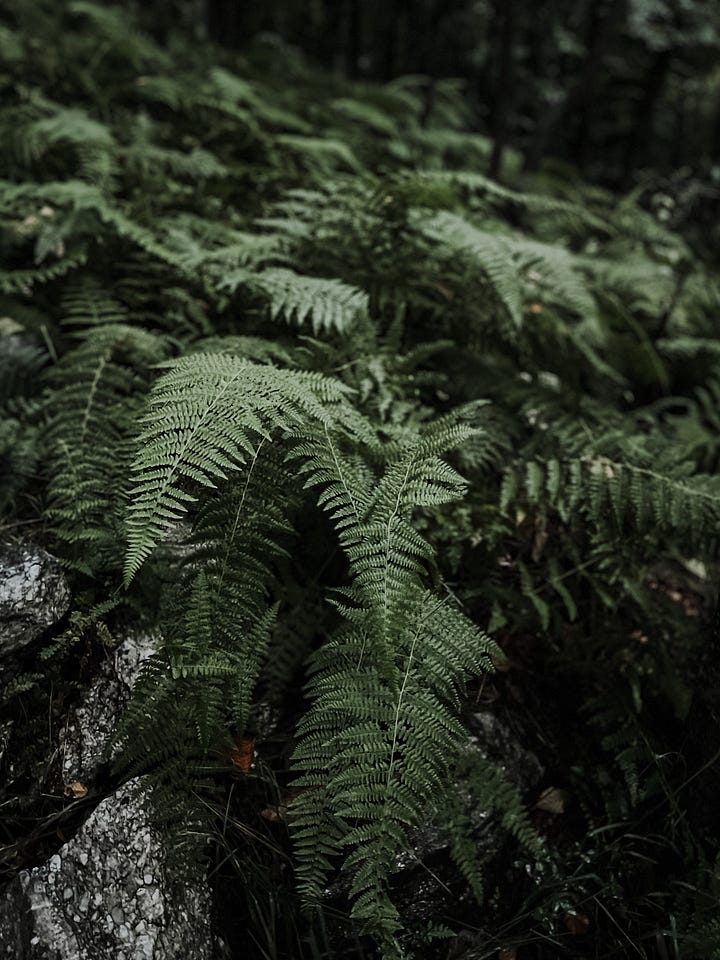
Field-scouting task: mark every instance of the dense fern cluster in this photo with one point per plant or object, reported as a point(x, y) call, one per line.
point(290, 377)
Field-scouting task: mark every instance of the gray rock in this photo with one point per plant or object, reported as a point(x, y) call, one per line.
point(494, 737)
point(33, 595)
point(89, 728)
point(91, 900)
point(426, 875)
point(424, 886)
point(5, 734)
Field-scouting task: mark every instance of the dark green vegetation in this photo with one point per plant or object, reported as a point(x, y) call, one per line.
point(613, 86)
point(369, 436)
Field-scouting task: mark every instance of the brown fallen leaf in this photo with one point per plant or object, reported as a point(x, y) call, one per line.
point(75, 790)
point(507, 953)
point(552, 800)
point(243, 755)
point(275, 814)
point(577, 923)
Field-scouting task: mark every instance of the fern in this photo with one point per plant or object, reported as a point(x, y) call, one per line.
point(489, 789)
point(620, 496)
point(92, 142)
point(489, 252)
point(92, 391)
point(205, 418)
point(327, 304)
point(481, 189)
point(380, 734)
point(21, 365)
point(86, 304)
point(322, 496)
point(321, 156)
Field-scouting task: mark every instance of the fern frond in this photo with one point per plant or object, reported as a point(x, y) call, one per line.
point(380, 734)
point(205, 417)
point(86, 304)
point(478, 186)
point(94, 404)
point(486, 787)
point(615, 496)
point(490, 252)
point(327, 304)
point(557, 270)
point(320, 155)
point(91, 140)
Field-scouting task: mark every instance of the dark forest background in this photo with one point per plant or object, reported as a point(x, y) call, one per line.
point(613, 87)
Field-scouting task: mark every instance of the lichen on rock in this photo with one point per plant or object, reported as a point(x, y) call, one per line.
point(107, 895)
point(90, 726)
point(34, 595)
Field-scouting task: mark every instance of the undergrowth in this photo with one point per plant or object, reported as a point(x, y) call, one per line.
point(360, 429)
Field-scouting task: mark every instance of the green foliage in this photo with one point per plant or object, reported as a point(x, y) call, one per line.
point(327, 304)
point(386, 688)
point(491, 791)
point(204, 419)
point(487, 420)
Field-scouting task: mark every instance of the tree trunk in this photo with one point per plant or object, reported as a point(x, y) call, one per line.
point(353, 38)
point(603, 20)
point(503, 88)
point(227, 22)
point(639, 143)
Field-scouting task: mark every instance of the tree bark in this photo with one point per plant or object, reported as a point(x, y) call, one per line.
point(639, 143)
point(504, 86)
point(227, 22)
point(603, 19)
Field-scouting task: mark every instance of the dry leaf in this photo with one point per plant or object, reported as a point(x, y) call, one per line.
point(243, 755)
point(507, 953)
point(76, 790)
point(552, 800)
point(577, 923)
point(500, 661)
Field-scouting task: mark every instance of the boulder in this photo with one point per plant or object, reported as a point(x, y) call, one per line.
point(107, 895)
point(425, 885)
point(90, 726)
point(493, 734)
point(34, 595)
point(6, 729)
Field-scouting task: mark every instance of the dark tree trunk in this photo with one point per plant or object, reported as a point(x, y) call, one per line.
point(603, 20)
point(328, 48)
point(680, 127)
point(353, 37)
point(227, 22)
point(715, 142)
point(503, 88)
point(639, 143)
point(389, 41)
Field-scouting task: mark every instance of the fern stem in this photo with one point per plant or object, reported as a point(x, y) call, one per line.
point(91, 396)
